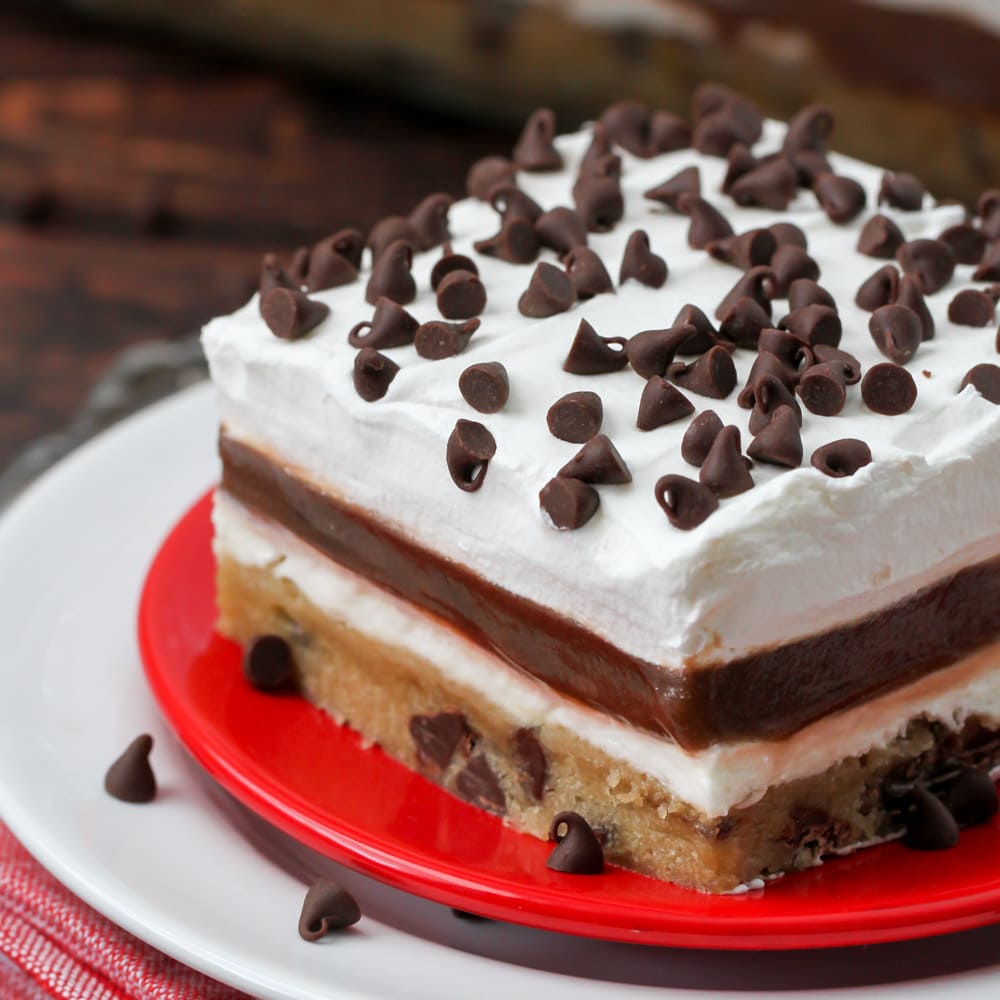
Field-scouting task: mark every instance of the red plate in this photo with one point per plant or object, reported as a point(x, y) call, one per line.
point(294, 766)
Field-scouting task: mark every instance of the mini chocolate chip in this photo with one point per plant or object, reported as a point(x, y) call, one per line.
point(902, 191)
point(987, 203)
point(290, 314)
point(598, 148)
point(786, 233)
point(849, 364)
point(842, 198)
point(598, 197)
point(438, 737)
point(549, 292)
point(485, 387)
point(334, 261)
point(711, 97)
point(972, 308)
point(841, 458)
point(267, 662)
point(461, 295)
point(534, 150)
point(822, 390)
point(749, 249)
point(391, 275)
point(878, 290)
point(576, 417)
point(684, 182)
point(561, 229)
point(449, 262)
point(470, 448)
point(591, 354)
point(698, 438)
point(513, 203)
point(768, 185)
point(734, 119)
point(972, 800)
point(390, 326)
point(299, 266)
point(661, 403)
point(707, 222)
point(641, 263)
point(685, 502)
point(967, 243)
point(485, 174)
point(577, 850)
point(985, 379)
point(929, 825)
point(587, 273)
point(568, 503)
point(809, 164)
point(779, 442)
point(989, 268)
point(437, 339)
point(896, 331)
point(476, 783)
point(770, 395)
point(651, 352)
point(598, 463)
point(327, 907)
point(530, 761)
point(805, 292)
point(272, 275)
point(130, 778)
point(791, 263)
point(758, 284)
point(793, 351)
point(627, 123)
point(724, 470)
point(516, 242)
point(430, 220)
point(739, 161)
point(763, 365)
point(908, 294)
point(809, 128)
point(931, 262)
point(713, 374)
point(888, 389)
point(880, 237)
point(668, 132)
point(707, 336)
point(387, 231)
point(814, 324)
point(743, 323)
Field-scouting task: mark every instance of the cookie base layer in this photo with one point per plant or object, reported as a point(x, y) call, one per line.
point(378, 688)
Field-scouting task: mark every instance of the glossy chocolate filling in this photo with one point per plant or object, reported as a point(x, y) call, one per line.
point(766, 695)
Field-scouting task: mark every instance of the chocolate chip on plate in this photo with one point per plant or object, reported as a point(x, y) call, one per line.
point(267, 662)
point(577, 850)
point(326, 908)
point(130, 778)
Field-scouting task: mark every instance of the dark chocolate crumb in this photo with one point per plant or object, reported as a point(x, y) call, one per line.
point(130, 778)
point(470, 448)
point(686, 503)
point(476, 783)
point(530, 761)
point(485, 386)
point(576, 417)
point(327, 907)
point(577, 850)
point(267, 662)
point(438, 737)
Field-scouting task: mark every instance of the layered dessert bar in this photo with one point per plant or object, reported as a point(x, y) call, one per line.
point(656, 480)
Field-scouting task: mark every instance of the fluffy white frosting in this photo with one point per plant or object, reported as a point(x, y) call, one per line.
point(714, 780)
point(800, 552)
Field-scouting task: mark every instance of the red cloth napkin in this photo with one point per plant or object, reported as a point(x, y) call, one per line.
point(54, 945)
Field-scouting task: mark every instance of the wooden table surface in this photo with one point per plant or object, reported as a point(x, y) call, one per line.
point(140, 184)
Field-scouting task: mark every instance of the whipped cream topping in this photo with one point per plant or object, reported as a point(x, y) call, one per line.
point(799, 553)
point(715, 780)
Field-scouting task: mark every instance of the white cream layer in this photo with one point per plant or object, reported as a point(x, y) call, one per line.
point(714, 780)
point(798, 554)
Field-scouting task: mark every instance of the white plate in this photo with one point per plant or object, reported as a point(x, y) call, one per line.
point(207, 882)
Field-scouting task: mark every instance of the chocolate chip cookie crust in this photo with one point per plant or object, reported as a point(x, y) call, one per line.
point(499, 503)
